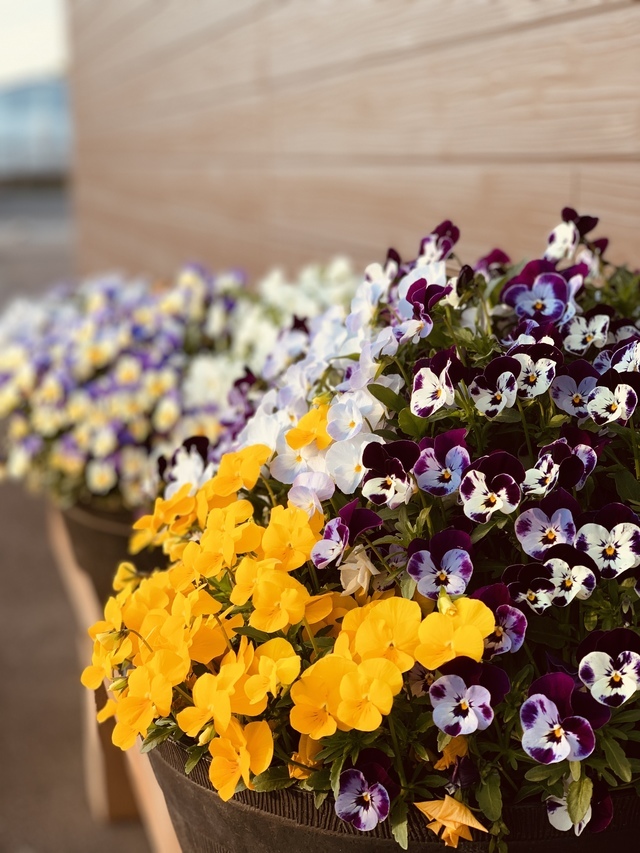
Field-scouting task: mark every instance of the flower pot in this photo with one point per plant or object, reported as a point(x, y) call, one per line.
point(100, 542)
point(288, 820)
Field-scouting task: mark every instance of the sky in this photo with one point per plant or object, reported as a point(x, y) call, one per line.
point(32, 39)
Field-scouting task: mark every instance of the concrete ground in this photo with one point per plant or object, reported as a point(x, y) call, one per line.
point(43, 808)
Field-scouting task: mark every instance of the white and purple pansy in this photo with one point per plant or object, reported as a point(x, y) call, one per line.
point(539, 363)
point(571, 387)
point(458, 709)
point(614, 548)
point(331, 547)
point(558, 814)
point(362, 805)
point(511, 623)
point(551, 732)
point(493, 265)
point(576, 459)
point(442, 462)
point(562, 242)
point(543, 477)
point(537, 531)
point(497, 388)
point(626, 358)
point(546, 298)
point(611, 681)
point(583, 332)
point(438, 245)
point(530, 584)
point(431, 391)
point(611, 400)
point(442, 563)
point(572, 573)
point(388, 481)
point(492, 483)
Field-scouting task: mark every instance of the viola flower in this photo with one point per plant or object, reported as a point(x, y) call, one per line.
point(438, 245)
point(492, 483)
point(431, 391)
point(452, 817)
point(530, 584)
point(544, 294)
point(445, 565)
point(308, 491)
point(562, 242)
point(511, 624)
point(356, 572)
point(388, 481)
point(612, 681)
point(571, 387)
point(497, 388)
point(344, 462)
point(442, 461)
point(458, 632)
point(613, 547)
point(543, 477)
point(331, 547)
point(606, 405)
point(572, 573)
point(492, 265)
point(558, 815)
point(583, 332)
point(362, 805)
point(575, 460)
point(537, 532)
point(538, 367)
point(551, 732)
point(458, 709)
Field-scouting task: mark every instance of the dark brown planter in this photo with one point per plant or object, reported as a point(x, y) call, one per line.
point(100, 542)
point(288, 822)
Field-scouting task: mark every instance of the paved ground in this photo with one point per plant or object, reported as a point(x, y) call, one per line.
point(42, 803)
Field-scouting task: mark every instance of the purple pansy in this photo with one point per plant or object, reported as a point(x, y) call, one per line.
point(613, 398)
point(562, 242)
point(575, 455)
point(571, 387)
point(362, 805)
point(492, 678)
point(549, 298)
point(537, 531)
point(583, 332)
point(431, 391)
point(358, 519)
point(492, 483)
point(438, 245)
point(388, 480)
point(442, 461)
point(530, 584)
point(551, 732)
point(497, 388)
point(331, 547)
point(458, 709)
point(492, 265)
point(446, 563)
point(511, 624)
point(572, 573)
point(612, 681)
point(614, 547)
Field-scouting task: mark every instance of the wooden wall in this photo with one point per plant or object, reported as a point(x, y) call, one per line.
point(254, 132)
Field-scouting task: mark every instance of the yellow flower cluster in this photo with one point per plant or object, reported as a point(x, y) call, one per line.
point(192, 642)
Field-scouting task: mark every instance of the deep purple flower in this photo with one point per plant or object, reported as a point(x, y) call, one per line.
point(438, 245)
point(362, 805)
point(511, 623)
point(551, 732)
point(530, 584)
point(388, 480)
point(492, 265)
point(358, 519)
point(442, 462)
point(492, 483)
point(458, 709)
point(497, 388)
point(575, 462)
point(548, 298)
point(331, 547)
point(492, 678)
point(444, 564)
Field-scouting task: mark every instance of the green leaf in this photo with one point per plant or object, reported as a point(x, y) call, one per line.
point(576, 770)
point(273, 779)
point(434, 781)
point(558, 420)
point(253, 634)
point(400, 824)
point(195, 754)
point(319, 797)
point(507, 416)
point(411, 424)
point(443, 740)
point(387, 397)
point(319, 781)
point(628, 486)
point(579, 799)
point(481, 530)
point(407, 585)
point(336, 770)
point(631, 716)
point(489, 796)
point(539, 774)
point(617, 760)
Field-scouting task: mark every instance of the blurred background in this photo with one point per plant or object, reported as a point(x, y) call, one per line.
point(138, 134)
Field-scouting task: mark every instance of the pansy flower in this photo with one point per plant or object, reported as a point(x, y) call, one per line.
point(610, 665)
point(446, 564)
point(551, 732)
point(612, 540)
point(530, 584)
point(438, 245)
point(537, 531)
point(492, 483)
point(493, 265)
point(362, 805)
point(388, 480)
point(571, 387)
point(562, 242)
point(442, 461)
point(511, 624)
point(548, 298)
point(583, 332)
point(331, 547)
point(572, 573)
point(492, 678)
point(497, 388)
point(458, 709)
point(431, 391)
point(539, 363)
point(611, 400)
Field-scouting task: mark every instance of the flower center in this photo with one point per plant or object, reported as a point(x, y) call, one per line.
point(446, 475)
point(366, 796)
point(531, 596)
point(491, 499)
point(613, 407)
point(567, 583)
point(588, 338)
point(576, 399)
point(499, 630)
point(616, 678)
point(610, 551)
point(558, 732)
point(550, 536)
point(497, 397)
point(538, 305)
point(442, 576)
point(531, 379)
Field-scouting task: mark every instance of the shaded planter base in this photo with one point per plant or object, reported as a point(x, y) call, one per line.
point(288, 822)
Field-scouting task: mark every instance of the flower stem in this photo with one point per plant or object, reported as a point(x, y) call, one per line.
point(397, 754)
point(226, 637)
point(526, 429)
point(184, 695)
point(634, 445)
point(311, 637)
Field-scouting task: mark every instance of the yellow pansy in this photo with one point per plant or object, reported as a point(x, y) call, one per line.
point(457, 747)
point(277, 664)
point(239, 753)
point(458, 631)
point(289, 537)
point(311, 427)
point(240, 470)
point(279, 601)
point(307, 751)
point(390, 630)
point(211, 700)
point(127, 579)
point(367, 694)
point(316, 696)
point(453, 818)
point(148, 696)
point(247, 573)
